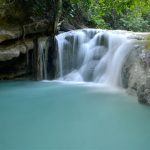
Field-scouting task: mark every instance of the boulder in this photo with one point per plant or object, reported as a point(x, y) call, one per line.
point(65, 26)
point(143, 95)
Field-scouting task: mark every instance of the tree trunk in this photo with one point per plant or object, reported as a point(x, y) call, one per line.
point(57, 9)
point(52, 51)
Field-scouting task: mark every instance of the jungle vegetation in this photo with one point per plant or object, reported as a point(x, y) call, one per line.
point(109, 14)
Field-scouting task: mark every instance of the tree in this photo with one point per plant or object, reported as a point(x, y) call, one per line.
point(116, 14)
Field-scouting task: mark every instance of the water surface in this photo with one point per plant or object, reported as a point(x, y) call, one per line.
point(58, 116)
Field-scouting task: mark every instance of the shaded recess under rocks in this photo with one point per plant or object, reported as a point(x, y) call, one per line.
point(17, 50)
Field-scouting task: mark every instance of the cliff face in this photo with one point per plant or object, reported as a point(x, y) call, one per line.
point(21, 27)
point(17, 47)
point(136, 70)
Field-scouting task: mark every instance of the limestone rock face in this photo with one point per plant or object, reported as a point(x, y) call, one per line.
point(143, 94)
point(13, 51)
point(17, 46)
point(20, 28)
point(8, 34)
point(14, 62)
point(136, 71)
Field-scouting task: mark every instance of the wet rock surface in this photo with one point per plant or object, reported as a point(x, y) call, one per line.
point(17, 47)
point(136, 71)
point(143, 94)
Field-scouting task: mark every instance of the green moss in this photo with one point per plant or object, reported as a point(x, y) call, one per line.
point(4, 37)
point(147, 44)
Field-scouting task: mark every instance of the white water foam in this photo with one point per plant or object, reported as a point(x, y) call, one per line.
point(92, 55)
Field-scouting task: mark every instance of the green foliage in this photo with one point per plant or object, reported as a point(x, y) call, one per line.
point(110, 14)
point(39, 8)
point(99, 22)
point(16, 11)
point(123, 14)
point(25, 10)
point(130, 22)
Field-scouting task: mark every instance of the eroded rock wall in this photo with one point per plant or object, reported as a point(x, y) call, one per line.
point(16, 59)
point(21, 25)
point(16, 49)
point(136, 70)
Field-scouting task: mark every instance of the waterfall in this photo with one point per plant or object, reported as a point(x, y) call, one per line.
point(42, 60)
point(93, 55)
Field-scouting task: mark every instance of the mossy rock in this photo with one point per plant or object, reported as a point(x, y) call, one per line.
point(4, 37)
point(147, 44)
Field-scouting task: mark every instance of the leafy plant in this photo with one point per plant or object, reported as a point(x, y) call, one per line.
point(134, 23)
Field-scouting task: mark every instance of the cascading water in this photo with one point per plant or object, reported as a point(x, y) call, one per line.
point(42, 58)
point(92, 55)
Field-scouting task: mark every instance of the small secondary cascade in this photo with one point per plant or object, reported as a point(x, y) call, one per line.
point(42, 60)
point(93, 55)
